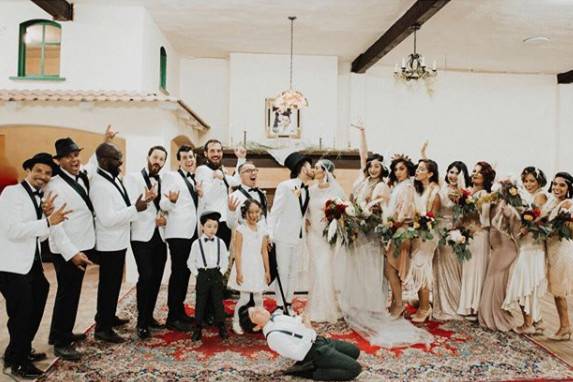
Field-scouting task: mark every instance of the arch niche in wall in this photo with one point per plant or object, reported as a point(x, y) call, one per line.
point(20, 142)
point(177, 142)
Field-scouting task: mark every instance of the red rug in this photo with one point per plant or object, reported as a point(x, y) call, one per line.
point(460, 351)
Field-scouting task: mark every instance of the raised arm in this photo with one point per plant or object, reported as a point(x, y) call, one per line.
point(363, 147)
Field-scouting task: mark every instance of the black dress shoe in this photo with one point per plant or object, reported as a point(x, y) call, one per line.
point(35, 356)
point(179, 326)
point(27, 371)
point(67, 352)
point(223, 333)
point(109, 336)
point(119, 321)
point(154, 324)
point(77, 337)
point(143, 333)
point(196, 335)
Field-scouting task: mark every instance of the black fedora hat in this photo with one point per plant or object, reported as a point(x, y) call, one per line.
point(294, 159)
point(43, 158)
point(64, 146)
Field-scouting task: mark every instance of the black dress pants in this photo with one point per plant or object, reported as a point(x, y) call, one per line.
point(179, 250)
point(209, 296)
point(70, 279)
point(110, 277)
point(25, 302)
point(150, 258)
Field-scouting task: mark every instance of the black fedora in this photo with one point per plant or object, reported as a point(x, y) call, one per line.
point(294, 159)
point(43, 158)
point(64, 146)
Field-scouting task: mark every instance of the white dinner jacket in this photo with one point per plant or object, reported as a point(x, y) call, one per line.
point(112, 216)
point(181, 215)
point(78, 230)
point(143, 227)
point(286, 219)
point(20, 230)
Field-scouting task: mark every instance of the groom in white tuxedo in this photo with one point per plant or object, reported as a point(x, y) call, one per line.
point(286, 220)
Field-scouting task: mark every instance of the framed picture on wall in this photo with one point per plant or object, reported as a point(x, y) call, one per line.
point(281, 124)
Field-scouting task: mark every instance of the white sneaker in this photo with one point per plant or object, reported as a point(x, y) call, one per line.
point(237, 328)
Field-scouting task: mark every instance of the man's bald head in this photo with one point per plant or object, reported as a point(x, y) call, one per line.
point(109, 158)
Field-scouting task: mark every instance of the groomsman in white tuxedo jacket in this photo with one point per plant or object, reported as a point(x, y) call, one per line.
point(23, 225)
point(287, 222)
point(179, 200)
point(114, 213)
point(147, 238)
point(71, 250)
point(247, 189)
point(217, 185)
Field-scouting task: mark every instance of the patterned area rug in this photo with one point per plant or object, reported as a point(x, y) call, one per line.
point(460, 351)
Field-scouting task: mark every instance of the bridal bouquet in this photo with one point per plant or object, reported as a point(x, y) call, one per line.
point(459, 240)
point(532, 221)
point(562, 226)
point(341, 221)
point(465, 207)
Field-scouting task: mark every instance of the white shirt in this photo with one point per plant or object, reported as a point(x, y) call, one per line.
point(234, 218)
point(215, 192)
point(195, 260)
point(113, 216)
point(143, 227)
point(294, 346)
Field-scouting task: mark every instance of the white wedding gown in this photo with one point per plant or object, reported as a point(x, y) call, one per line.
point(357, 275)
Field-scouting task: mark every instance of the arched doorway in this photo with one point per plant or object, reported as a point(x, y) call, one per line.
point(177, 142)
point(20, 142)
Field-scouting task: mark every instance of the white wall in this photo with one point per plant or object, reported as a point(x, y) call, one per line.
point(508, 120)
point(204, 84)
point(253, 77)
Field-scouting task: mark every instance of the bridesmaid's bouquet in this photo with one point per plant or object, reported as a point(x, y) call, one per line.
point(424, 225)
point(459, 240)
point(507, 191)
point(367, 219)
point(538, 226)
point(341, 221)
point(562, 226)
point(465, 206)
point(394, 233)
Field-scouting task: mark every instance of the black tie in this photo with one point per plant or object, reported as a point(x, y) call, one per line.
point(156, 177)
point(211, 239)
point(254, 189)
point(39, 193)
point(192, 176)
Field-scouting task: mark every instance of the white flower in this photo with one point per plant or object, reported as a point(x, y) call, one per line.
point(456, 236)
point(350, 211)
point(332, 228)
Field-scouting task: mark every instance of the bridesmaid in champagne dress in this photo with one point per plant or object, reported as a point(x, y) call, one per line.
point(473, 270)
point(420, 275)
point(527, 281)
point(560, 254)
point(447, 266)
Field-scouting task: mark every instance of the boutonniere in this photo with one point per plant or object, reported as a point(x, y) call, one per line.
point(296, 191)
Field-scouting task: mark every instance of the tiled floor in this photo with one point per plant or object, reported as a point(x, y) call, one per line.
point(88, 306)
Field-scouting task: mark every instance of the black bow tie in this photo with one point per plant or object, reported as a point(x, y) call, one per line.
point(189, 175)
point(77, 178)
point(156, 177)
point(207, 239)
point(39, 193)
point(254, 189)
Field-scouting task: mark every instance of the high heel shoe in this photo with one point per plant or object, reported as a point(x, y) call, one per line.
point(425, 314)
point(525, 330)
point(399, 314)
point(565, 336)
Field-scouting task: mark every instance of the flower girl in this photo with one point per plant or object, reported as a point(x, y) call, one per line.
point(250, 274)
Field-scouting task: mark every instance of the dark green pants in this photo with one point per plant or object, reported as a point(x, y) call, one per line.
point(334, 360)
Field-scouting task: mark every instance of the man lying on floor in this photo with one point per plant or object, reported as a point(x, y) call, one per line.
point(317, 357)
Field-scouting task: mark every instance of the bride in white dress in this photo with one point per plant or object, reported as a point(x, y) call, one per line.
point(322, 305)
point(363, 296)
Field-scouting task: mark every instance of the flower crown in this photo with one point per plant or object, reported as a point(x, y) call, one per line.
point(403, 157)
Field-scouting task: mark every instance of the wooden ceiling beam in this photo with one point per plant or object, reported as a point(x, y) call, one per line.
point(420, 12)
point(565, 78)
point(60, 10)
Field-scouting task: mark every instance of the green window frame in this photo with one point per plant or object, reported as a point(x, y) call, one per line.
point(162, 69)
point(43, 44)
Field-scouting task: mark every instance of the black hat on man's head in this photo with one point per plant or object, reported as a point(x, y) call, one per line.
point(65, 146)
point(209, 215)
point(294, 160)
point(43, 158)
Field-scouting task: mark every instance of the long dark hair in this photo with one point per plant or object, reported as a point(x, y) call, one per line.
point(462, 170)
point(433, 168)
point(409, 165)
point(488, 174)
point(568, 179)
point(536, 173)
point(380, 158)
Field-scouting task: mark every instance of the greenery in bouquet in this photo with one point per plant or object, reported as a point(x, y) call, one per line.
point(562, 226)
point(465, 206)
point(424, 225)
point(341, 222)
point(507, 191)
point(459, 240)
point(367, 219)
point(534, 223)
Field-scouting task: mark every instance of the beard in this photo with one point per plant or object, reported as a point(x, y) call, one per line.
point(153, 168)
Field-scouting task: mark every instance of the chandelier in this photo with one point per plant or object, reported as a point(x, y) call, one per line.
point(414, 67)
point(290, 99)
